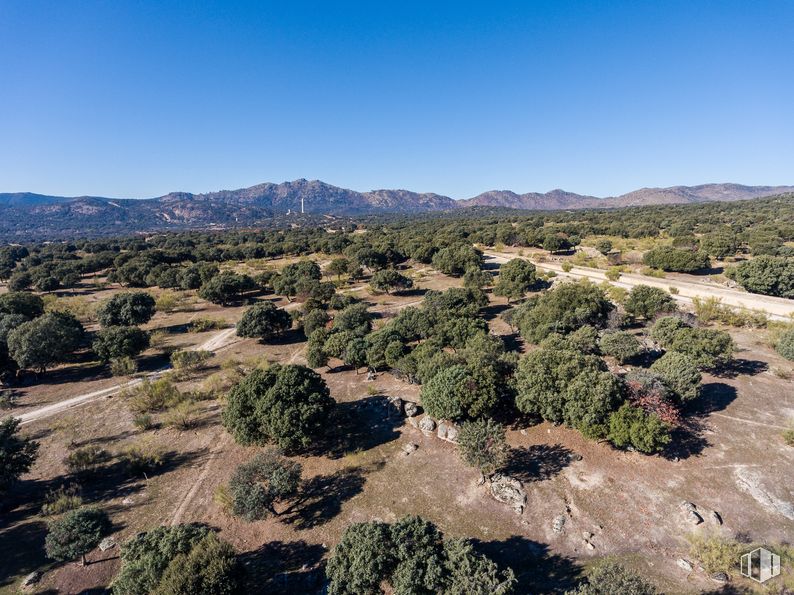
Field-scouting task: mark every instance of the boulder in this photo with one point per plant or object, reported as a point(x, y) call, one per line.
point(426, 424)
point(411, 409)
point(106, 544)
point(694, 517)
point(409, 448)
point(447, 431)
point(558, 524)
point(508, 490)
point(688, 506)
point(720, 577)
point(715, 517)
point(33, 578)
point(684, 564)
point(452, 433)
point(396, 404)
point(442, 430)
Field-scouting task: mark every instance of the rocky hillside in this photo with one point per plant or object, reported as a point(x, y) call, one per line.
point(27, 216)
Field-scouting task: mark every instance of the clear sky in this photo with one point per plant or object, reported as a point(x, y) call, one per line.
point(136, 99)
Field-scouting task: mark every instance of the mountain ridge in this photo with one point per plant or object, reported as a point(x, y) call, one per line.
point(27, 214)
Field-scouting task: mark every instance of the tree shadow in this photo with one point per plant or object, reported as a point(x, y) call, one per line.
point(537, 569)
point(686, 440)
point(320, 498)
point(289, 337)
point(538, 462)
point(741, 367)
point(494, 310)
point(714, 396)
point(359, 425)
point(282, 567)
point(22, 550)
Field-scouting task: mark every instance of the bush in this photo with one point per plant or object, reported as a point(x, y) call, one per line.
point(86, 460)
point(613, 273)
point(715, 554)
point(181, 416)
point(483, 446)
point(187, 361)
point(153, 396)
point(130, 308)
point(676, 260)
point(707, 348)
point(631, 426)
point(788, 437)
point(679, 373)
point(203, 324)
point(785, 344)
point(288, 405)
point(76, 533)
point(264, 321)
point(123, 366)
point(143, 457)
point(210, 568)
point(621, 345)
point(646, 302)
point(664, 329)
point(604, 247)
point(114, 342)
point(768, 275)
point(257, 485)
point(143, 421)
point(610, 578)
point(62, 500)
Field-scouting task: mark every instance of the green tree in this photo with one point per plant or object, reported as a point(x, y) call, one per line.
point(338, 267)
point(257, 485)
point(76, 533)
point(356, 353)
point(19, 302)
point(288, 405)
point(483, 445)
point(120, 341)
point(264, 321)
point(646, 302)
point(768, 275)
point(621, 345)
point(17, 454)
point(719, 244)
point(130, 308)
point(469, 573)
point(389, 280)
point(455, 392)
point(315, 319)
point(456, 259)
point(610, 578)
point(665, 328)
point(604, 247)
point(785, 344)
point(361, 561)
point(707, 348)
point(419, 553)
point(226, 287)
point(45, 341)
point(210, 568)
point(516, 277)
point(316, 356)
point(476, 278)
point(677, 260)
point(631, 426)
point(679, 373)
point(355, 319)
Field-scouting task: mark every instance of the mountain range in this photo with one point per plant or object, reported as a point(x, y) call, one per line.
point(26, 216)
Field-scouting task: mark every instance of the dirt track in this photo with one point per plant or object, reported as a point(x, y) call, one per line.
point(775, 307)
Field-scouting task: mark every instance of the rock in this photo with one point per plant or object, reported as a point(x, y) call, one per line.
point(694, 517)
point(589, 545)
point(587, 535)
point(442, 430)
point(558, 524)
point(508, 490)
point(715, 517)
point(720, 577)
point(106, 544)
point(452, 433)
point(426, 424)
point(370, 376)
point(575, 457)
point(396, 404)
point(128, 502)
point(523, 432)
point(410, 409)
point(33, 578)
point(410, 447)
point(684, 564)
point(688, 506)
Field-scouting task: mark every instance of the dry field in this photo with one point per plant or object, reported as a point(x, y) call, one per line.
point(731, 459)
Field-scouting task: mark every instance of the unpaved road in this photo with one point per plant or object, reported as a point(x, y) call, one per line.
point(219, 341)
point(776, 308)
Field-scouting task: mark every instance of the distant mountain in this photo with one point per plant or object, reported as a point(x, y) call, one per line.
point(25, 216)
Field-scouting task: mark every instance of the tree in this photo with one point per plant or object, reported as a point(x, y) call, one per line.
point(555, 243)
point(361, 560)
point(315, 319)
point(419, 552)
point(261, 482)
point(20, 281)
point(476, 278)
point(130, 308)
point(356, 353)
point(785, 344)
point(604, 247)
point(621, 345)
point(562, 310)
point(316, 356)
point(120, 341)
point(288, 405)
point(264, 321)
point(45, 340)
point(768, 275)
point(226, 287)
point(665, 328)
point(679, 373)
point(631, 426)
point(23, 303)
point(210, 568)
point(455, 392)
point(338, 267)
point(610, 578)
point(516, 277)
point(483, 446)
point(469, 573)
point(389, 279)
point(456, 259)
point(17, 454)
point(677, 260)
point(76, 533)
point(719, 244)
point(146, 556)
point(354, 318)
point(646, 302)
point(305, 273)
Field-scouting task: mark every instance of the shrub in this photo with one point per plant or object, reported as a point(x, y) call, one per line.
point(610, 578)
point(123, 366)
point(181, 416)
point(567, 266)
point(153, 396)
point(768, 275)
point(483, 446)
point(143, 457)
point(259, 484)
point(130, 308)
point(646, 302)
point(785, 344)
point(613, 273)
point(621, 345)
point(604, 247)
point(716, 554)
point(76, 533)
point(203, 324)
point(631, 426)
point(677, 260)
point(210, 568)
point(62, 500)
point(86, 460)
point(788, 437)
point(143, 421)
point(187, 361)
point(680, 373)
point(288, 405)
point(707, 348)
point(664, 329)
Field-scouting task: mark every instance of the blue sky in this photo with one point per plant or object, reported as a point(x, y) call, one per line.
point(136, 99)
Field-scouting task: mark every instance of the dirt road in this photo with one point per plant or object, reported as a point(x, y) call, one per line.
point(776, 308)
point(219, 341)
